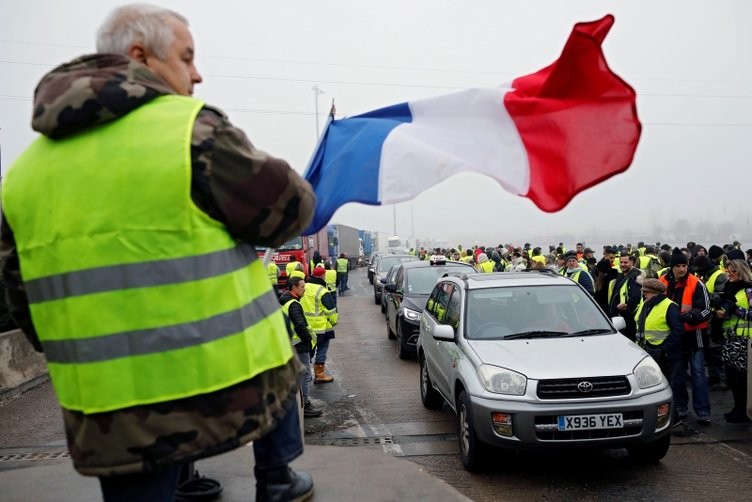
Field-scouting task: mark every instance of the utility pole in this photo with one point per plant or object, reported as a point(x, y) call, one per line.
point(316, 92)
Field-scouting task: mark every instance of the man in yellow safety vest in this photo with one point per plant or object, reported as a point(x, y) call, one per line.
point(127, 239)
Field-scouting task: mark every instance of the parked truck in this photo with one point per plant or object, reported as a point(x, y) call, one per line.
point(302, 248)
point(344, 239)
point(366, 242)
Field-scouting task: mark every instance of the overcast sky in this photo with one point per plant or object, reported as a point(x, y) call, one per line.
point(690, 62)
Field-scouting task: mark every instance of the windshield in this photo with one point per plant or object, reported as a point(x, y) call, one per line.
point(420, 281)
point(387, 262)
point(293, 244)
point(532, 312)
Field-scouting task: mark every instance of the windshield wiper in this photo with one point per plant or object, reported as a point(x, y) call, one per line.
point(585, 332)
point(535, 334)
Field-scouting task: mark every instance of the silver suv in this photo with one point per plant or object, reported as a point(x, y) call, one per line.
point(528, 359)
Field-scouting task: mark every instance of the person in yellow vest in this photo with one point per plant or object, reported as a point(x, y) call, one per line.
point(293, 265)
point(330, 278)
point(135, 204)
point(303, 339)
point(342, 268)
point(659, 328)
point(737, 319)
point(715, 281)
point(485, 265)
point(272, 272)
point(328, 308)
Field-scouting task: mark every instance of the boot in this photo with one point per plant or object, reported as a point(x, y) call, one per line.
point(282, 484)
point(309, 411)
point(320, 374)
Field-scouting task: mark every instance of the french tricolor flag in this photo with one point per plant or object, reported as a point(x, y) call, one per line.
point(546, 136)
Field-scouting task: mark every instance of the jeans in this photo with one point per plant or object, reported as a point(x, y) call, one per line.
point(342, 282)
point(304, 355)
point(278, 448)
point(321, 349)
point(700, 396)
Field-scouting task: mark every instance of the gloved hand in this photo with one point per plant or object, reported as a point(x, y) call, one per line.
point(741, 312)
point(685, 317)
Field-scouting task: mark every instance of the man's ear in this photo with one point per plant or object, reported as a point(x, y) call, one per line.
point(137, 52)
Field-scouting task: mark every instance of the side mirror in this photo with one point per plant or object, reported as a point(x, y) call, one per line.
point(443, 332)
point(390, 287)
point(619, 323)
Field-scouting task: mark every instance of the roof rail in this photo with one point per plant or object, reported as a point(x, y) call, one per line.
point(461, 275)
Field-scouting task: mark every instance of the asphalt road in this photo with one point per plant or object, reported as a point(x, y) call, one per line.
point(374, 402)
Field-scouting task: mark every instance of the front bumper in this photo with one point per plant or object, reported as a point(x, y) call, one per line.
point(534, 424)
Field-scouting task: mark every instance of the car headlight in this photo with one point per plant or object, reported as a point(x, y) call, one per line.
point(501, 380)
point(648, 373)
point(412, 315)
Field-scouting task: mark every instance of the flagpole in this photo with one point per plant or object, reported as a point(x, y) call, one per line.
point(316, 92)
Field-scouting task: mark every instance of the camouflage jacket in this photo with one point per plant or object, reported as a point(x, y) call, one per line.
point(259, 198)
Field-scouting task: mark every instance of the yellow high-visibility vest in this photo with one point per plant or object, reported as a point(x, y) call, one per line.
point(130, 286)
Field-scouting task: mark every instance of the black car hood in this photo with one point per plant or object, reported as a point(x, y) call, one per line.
point(415, 302)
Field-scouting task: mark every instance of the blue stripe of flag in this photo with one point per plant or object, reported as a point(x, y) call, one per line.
point(345, 166)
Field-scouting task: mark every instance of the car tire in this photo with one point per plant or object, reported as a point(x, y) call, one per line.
point(650, 453)
point(383, 308)
point(430, 397)
point(403, 351)
point(472, 450)
point(389, 333)
point(376, 297)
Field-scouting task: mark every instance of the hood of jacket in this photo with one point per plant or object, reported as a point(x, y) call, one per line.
point(92, 90)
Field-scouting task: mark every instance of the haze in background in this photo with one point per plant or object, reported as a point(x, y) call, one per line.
point(688, 60)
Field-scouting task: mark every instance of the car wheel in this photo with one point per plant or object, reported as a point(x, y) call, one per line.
point(383, 307)
point(389, 333)
point(428, 395)
point(650, 453)
point(376, 297)
point(404, 351)
point(472, 450)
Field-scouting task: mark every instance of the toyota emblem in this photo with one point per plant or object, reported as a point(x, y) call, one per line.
point(585, 386)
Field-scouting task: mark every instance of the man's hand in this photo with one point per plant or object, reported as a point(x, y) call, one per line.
point(685, 317)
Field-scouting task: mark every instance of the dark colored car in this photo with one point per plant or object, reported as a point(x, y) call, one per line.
point(406, 298)
point(383, 264)
point(384, 293)
point(372, 265)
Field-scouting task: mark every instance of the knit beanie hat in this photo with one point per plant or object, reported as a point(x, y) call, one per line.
point(702, 263)
point(653, 285)
point(735, 254)
point(319, 272)
point(678, 258)
point(715, 252)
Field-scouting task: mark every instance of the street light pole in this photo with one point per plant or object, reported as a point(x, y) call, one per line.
point(316, 92)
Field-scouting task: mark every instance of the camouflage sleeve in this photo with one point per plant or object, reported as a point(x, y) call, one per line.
point(15, 294)
point(260, 198)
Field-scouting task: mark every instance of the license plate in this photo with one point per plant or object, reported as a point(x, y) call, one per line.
point(590, 422)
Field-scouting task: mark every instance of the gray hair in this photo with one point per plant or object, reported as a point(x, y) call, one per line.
point(138, 22)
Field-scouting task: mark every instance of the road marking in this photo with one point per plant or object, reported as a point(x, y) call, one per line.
point(366, 417)
point(723, 448)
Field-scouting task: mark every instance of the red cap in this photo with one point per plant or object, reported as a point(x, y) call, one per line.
point(319, 272)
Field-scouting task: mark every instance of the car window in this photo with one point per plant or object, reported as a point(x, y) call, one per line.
point(453, 310)
point(392, 274)
point(436, 304)
point(495, 313)
point(398, 277)
point(386, 262)
point(421, 280)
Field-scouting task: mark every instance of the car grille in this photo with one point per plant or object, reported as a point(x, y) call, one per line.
point(569, 388)
point(546, 429)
